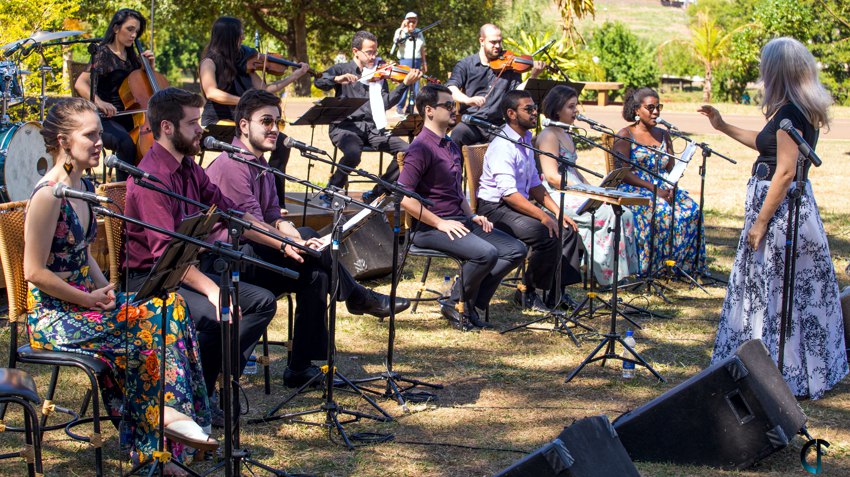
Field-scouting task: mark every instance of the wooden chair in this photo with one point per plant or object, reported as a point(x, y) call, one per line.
point(610, 160)
point(18, 387)
point(12, 254)
point(473, 165)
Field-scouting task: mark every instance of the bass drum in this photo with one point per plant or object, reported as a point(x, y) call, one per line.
point(23, 160)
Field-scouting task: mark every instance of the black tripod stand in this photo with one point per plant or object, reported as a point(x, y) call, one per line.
point(611, 338)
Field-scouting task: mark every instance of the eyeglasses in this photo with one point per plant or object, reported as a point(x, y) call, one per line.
point(530, 108)
point(652, 107)
point(450, 105)
point(269, 122)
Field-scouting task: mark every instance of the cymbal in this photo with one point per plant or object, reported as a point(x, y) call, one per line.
point(43, 36)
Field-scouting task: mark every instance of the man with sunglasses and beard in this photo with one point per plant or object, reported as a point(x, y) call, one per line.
point(175, 122)
point(508, 183)
point(432, 168)
point(258, 118)
point(479, 89)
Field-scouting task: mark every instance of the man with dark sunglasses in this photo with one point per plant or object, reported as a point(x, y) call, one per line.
point(508, 183)
point(432, 167)
point(257, 117)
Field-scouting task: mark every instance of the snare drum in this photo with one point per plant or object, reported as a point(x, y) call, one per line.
point(10, 79)
point(23, 160)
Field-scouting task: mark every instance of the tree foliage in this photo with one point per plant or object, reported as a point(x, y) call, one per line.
point(623, 56)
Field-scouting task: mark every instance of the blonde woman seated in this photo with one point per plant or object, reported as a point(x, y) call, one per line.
point(560, 105)
point(73, 308)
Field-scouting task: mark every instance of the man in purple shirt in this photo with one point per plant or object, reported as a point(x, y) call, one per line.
point(432, 167)
point(175, 121)
point(257, 117)
point(509, 179)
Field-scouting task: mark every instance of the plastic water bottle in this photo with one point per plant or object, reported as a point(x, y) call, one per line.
point(251, 365)
point(629, 366)
point(446, 289)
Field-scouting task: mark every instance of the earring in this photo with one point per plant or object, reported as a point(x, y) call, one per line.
point(68, 166)
point(637, 118)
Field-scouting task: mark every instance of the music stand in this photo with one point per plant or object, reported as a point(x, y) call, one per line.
point(539, 88)
point(409, 126)
point(164, 278)
point(323, 112)
point(617, 200)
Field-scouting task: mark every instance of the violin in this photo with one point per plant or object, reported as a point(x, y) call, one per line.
point(511, 61)
point(135, 92)
point(273, 64)
point(396, 73)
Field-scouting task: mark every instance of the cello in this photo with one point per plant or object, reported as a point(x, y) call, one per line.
point(135, 92)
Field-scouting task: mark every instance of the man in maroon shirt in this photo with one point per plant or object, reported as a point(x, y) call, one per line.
point(257, 117)
point(432, 167)
point(174, 115)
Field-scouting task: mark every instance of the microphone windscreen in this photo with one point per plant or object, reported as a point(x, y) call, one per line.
point(211, 142)
point(288, 142)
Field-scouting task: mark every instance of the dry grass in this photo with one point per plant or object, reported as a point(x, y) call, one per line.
point(505, 394)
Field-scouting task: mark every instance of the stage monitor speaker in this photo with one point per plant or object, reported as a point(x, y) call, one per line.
point(730, 415)
point(368, 252)
point(588, 448)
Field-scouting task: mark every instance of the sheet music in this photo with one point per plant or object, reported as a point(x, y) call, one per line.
point(354, 223)
point(682, 163)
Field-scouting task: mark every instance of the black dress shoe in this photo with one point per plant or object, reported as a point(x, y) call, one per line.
point(375, 304)
point(296, 379)
point(475, 319)
point(566, 303)
point(456, 319)
point(530, 301)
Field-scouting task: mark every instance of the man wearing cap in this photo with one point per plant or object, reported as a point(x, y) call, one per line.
point(408, 55)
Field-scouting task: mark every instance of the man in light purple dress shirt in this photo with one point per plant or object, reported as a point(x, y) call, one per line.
point(508, 182)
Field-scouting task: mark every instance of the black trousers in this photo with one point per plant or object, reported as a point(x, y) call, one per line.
point(258, 308)
point(543, 258)
point(351, 137)
point(278, 158)
point(466, 135)
point(488, 258)
point(117, 138)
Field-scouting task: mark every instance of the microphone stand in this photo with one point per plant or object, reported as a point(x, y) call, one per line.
point(706, 152)
point(560, 320)
point(161, 456)
point(393, 389)
point(653, 285)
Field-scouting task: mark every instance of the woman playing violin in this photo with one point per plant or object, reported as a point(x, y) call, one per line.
point(226, 75)
point(479, 88)
point(112, 63)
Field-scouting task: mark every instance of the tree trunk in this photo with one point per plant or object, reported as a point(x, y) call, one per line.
point(706, 86)
point(299, 22)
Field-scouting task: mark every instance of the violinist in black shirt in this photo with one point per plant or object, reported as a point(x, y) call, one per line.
point(359, 129)
point(479, 88)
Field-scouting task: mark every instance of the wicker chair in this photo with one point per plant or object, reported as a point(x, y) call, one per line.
point(473, 165)
point(610, 161)
point(12, 254)
point(117, 191)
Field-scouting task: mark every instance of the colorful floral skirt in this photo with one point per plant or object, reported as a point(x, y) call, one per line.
point(129, 340)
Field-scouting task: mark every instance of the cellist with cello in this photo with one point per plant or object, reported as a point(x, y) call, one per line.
point(228, 69)
point(479, 81)
point(112, 63)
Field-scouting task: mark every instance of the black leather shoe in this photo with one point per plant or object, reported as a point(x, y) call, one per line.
point(530, 301)
point(375, 304)
point(475, 320)
point(566, 303)
point(456, 319)
point(296, 379)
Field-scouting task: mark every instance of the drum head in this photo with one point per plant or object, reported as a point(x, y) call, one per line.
point(24, 160)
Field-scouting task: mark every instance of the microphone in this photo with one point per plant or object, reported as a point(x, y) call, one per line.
point(62, 191)
point(592, 123)
point(290, 143)
point(544, 47)
point(548, 122)
point(14, 48)
point(214, 144)
point(112, 161)
point(804, 147)
point(473, 121)
point(664, 123)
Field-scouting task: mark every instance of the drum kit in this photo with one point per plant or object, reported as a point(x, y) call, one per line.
point(23, 156)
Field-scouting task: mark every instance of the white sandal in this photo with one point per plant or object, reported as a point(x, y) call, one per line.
point(188, 432)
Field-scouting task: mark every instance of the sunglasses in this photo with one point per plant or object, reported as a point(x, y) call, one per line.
point(450, 105)
point(530, 108)
point(652, 107)
point(269, 122)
